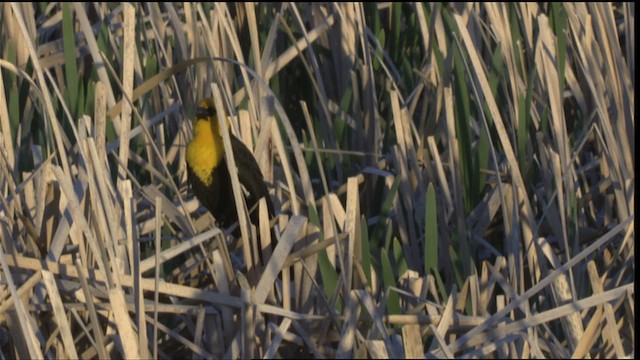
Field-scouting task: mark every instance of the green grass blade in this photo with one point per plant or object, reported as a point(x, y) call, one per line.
point(388, 279)
point(399, 258)
point(366, 251)
point(385, 211)
point(71, 66)
point(431, 232)
point(329, 277)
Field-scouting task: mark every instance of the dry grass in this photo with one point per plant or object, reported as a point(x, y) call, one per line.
point(450, 181)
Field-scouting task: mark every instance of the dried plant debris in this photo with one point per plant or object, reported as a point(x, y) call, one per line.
point(448, 180)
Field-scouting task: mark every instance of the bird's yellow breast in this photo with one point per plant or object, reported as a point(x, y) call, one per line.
point(205, 151)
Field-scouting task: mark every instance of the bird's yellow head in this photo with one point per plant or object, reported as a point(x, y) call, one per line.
point(206, 117)
point(206, 149)
point(206, 112)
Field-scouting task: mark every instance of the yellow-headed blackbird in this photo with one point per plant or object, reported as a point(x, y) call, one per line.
point(209, 175)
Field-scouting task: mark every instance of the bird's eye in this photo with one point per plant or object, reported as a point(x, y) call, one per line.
point(205, 112)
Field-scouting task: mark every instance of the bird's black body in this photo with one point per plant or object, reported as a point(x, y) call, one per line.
point(212, 183)
point(218, 196)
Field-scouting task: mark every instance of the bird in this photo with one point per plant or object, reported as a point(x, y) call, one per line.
point(208, 173)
